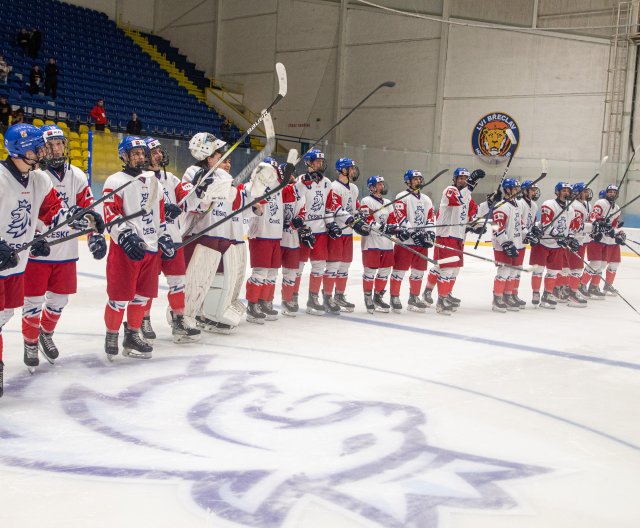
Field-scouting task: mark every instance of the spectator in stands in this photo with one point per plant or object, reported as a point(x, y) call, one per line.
point(22, 39)
point(35, 42)
point(51, 78)
point(35, 79)
point(18, 117)
point(225, 131)
point(134, 127)
point(99, 115)
point(5, 69)
point(5, 112)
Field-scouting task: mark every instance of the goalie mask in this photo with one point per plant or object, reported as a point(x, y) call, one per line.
point(204, 145)
point(134, 153)
point(157, 153)
point(56, 152)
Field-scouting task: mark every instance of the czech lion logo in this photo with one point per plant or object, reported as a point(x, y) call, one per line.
point(20, 219)
point(490, 141)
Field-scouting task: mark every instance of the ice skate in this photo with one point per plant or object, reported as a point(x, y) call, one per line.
point(133, 346)
point(576, 301)
point(396, 305)
point(313, 305)
point(584, 291)
point(1, 379)
point(266, 307)
point(595, 293)
point(609, 290)
point(498, 304)
point(512, 304)
point(368, 302)
point(521, 303)
point(254, 314)
point(182, 332)
point(416, 304)
point(47, 346)
point(289, 308)
point(342, 302)
point(427, 297)
point(31, 356)
point(147, 330)
point(548, 301)
point(443, 306)
point(111, 345)
point(380, 304)
point(535, 300)
point(330, 305)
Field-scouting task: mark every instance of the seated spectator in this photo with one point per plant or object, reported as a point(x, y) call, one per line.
point(225, 131)
point(5, 111)
point(5, 69)
point(134, 127)
point(35, 42)
point(22, 39)
point(18, 117)
point(51, 78)
point(99, 115)
point(35, 79)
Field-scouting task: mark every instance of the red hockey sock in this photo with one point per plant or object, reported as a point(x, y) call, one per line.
point(414, 286)
point(395, 287)
point(176, 301)
point(253, 291)
point(135, 313)
point(610, 276)
point(595, 280)
point(287, 292)
point(536, 282)
point(432, 279)
point(147, 307)
point(341, 284)
point(574, 283)
point(296, 286)
point(271, 291)
point(328, 284)
point(113, 318)
point(315, 281)
point(381, 284)
point(549, 284)
point(30, 329)
point(516, 286)
point(1, 347)
point(586, 277)
point(498, 286)
point(443, 285)
point(49, 320)
point(367, 285)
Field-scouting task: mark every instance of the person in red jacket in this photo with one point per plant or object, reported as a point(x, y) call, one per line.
point(99, 115)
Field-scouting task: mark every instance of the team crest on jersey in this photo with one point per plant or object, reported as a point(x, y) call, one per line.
point(318, 202)
point(64, 198)
point(20, 219)
point(419, 217)
point(490, 141)
point(273, 207)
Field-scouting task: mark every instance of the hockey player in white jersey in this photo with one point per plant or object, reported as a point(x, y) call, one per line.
point(133, 265)
point(49, 280)
point(221, 311)
point(317, 193)
point(413, 214)
point(582, 227)
point(527, 203)
point(377, 250)
point(173, 269)
point(340, 249)
point(27, 197)
point(604, 252)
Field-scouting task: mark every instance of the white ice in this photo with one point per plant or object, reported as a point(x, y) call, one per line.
point(481, 419)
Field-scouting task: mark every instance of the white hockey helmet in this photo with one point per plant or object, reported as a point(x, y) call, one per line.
point(204, 144)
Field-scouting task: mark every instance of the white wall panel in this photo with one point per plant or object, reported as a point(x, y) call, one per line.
point(138, 13)
point(379, 26)
point(513, 12)
point(243, 8)
point(248, 45)
point(307, 25)
point(185, 13)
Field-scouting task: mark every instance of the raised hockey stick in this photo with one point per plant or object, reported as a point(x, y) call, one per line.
point(281, 73)
point(624, 206)
point(626, 171)
point(514, 141)
point(289, 169)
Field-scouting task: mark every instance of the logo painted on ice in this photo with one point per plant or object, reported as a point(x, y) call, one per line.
point(20, 219)
point(244, 443)
point(489, 140)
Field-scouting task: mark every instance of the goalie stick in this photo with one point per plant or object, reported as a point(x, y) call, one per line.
point(281, 73)
point(289, 169)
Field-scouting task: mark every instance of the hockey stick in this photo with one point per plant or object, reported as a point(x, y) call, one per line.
point(621, 208)
point(514, 141)
point(281, 73)
point(475, 255)
point(631, 247)
point(635, 149)
point(288, 171)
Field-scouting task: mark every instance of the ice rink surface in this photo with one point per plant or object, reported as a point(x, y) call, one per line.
point(482, 419)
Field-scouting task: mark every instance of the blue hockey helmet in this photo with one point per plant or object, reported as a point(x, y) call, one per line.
point(23, 138)
point(129, 143)
point(510, 184)
point(562, 185)
point(350, 166)
point(410, 174)
point(581, 187)
point(529, 185)
point(459, 172)
point(314, 155)
point(602, 193)
point(152, 144)
point(372, 181)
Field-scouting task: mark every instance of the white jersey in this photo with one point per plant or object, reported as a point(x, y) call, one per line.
point(561, 227)
point(174, 192)
point(199, 219)
point(528, 214)
point(319, 202)
point(413, 210)
point(149, 227)
point(73, 188)
point(581, 225)
point(268, 225)
point(377, 211)
point(602, 209)
point(345, 204)
point(454, 209)
point(23, 202)
point(293, 205)
point(508, 223)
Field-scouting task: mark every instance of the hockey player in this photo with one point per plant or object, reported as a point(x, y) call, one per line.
point(221, 311)
point(414, 214)
point(582, 228)
point(27, 196)
point(173, 269)
point(604, 251)
point(550, 252)
point(508, 247)
point(317, 193)
point(340, 249)
point(49, 280)
point(132, 263)
point(454, 209)
point(295, 234)
point(377, 250)
point(527, 203)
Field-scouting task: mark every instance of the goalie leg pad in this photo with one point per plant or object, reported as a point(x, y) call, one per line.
point(201, 273)
point(221, 301)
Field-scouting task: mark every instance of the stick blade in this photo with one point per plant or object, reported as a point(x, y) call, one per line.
point(268, 125)
point(604, 160)
point(448, 260)
point(281, 72)
point(545, 166)
point(511, 136)
point(292, 157)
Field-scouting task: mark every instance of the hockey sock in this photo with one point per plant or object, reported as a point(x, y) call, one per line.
point(500, 282)
point(612, 268)
point(147, 308)
point(296, 286)
point(268, 288)
point(31, 312)
point(342, 276)
point(432, 278)
point(574, 279)
point(330, 275)
point(113, 315)
point(5, 315)
point(586, 277)
point(396, 282)
point(176, 294)
point(255, 283)
point(135, 312)
point(54, 303)
point(536, 278)
point(415, 282)
point(368, 279)
point(549, 282)
point(445, 281)
point(315, 279)
point(381, 279)
point(289, 279)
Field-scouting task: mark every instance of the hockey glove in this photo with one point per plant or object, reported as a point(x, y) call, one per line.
point(621, 224)
point(597, 236)
point(620, 238)
point(40, 248)
point(297, 222)
point(510, 249)
point(167, 247)
point(536, 231)
point(563, 241)
point(601, 226)
point(307, 238)
point(402, 234)
point(97, 246)
point(333, 230)
point(531, 239)
point(474, 178)
point(85, 219)
point(494, 198)
point(573, 243)
point(172, 211)
point(478, 229)
point(8, 256)
point(132, 245)
point(361, 227)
